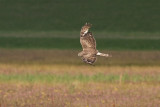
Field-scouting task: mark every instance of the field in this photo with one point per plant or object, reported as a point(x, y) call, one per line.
point(36, 78)
point(42, 69)
point(39, 43)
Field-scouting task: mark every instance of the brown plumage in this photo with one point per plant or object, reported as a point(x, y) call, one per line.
point(88, 43)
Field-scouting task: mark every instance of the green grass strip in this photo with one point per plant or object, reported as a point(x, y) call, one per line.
point(74, 43)
point(66, 78)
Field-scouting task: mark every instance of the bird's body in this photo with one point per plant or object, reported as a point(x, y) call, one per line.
point(88, 43)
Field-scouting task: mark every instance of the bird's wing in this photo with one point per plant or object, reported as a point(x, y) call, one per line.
point(88, 41)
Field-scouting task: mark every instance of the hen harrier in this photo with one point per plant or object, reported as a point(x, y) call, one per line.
point(88, 43)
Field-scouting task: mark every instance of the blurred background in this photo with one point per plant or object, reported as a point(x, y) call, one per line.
point(126, 25)
point(70, 15)
point(39, 43)
point(55, 25)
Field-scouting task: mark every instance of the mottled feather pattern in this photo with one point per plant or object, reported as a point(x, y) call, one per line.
point(88, 42)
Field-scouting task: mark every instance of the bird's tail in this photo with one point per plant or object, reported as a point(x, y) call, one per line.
point(103, 54)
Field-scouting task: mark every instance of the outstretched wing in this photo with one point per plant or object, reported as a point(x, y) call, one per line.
point(88, 41)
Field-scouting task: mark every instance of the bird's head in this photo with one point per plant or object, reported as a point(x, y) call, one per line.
point(85, 28)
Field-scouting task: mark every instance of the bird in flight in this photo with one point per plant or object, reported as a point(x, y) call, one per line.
point(88, 42)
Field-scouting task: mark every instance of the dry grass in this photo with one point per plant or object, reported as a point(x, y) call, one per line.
point(75, 69)
point(79, 93)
